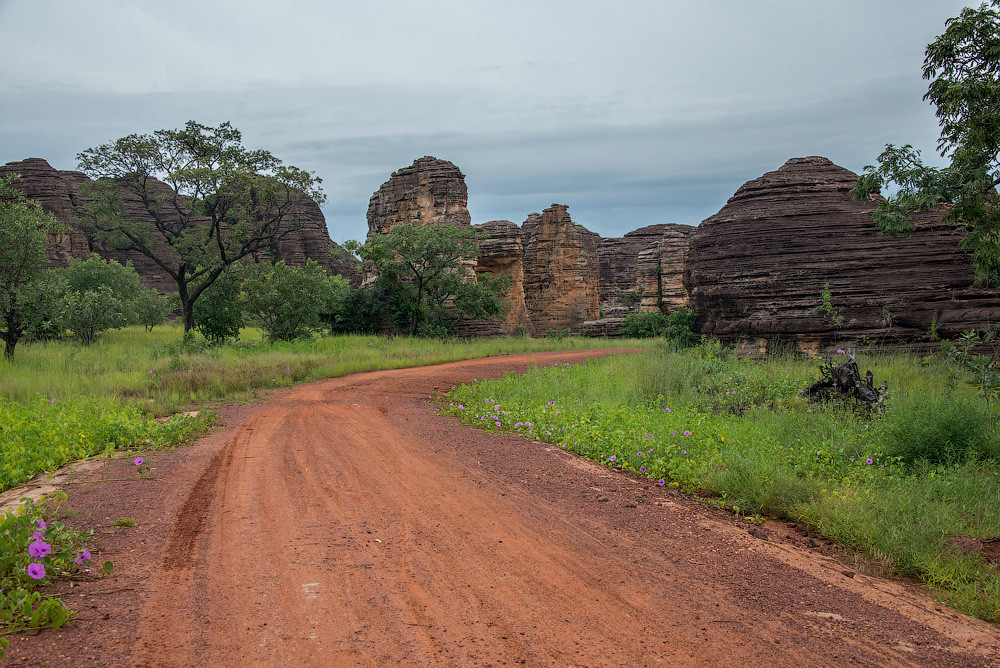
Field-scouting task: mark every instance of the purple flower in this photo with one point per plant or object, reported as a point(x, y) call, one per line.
point(840, 351)
point(687, 433)
point(639, 454)
point(53, 401)
point(649, 451)
point(666, 410)
point(642, 469)
point(38, 535)
point(39, 549)
point(82, 556)
point(869, 461)
point(613, 457)
point(518, 424)
point(684, 452)
point(661, 482)
point(552, 403)
point(498, 423)
point(149, 373)
point(41, 525)
point(36, 571)
point(138, 461)
point(461, 407)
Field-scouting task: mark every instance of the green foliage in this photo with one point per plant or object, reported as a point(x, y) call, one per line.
point(219, 316)
point(289, 302)
point(963, 67)
point(22, 605)
point(421, 268)
point(675, 327)
point(827, 308)
point(901, 485)
point(25, 233)
point(45, 434)
point(152, 308)
point(44, 306)
point(359, 312)
point(981, 371)
point(940, 429)
point(101, 295)
point(224, 202)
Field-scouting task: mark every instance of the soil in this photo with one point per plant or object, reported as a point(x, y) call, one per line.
point(344, 523)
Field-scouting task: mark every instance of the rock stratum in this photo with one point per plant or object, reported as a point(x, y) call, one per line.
point(304, 234)
point(757, 270)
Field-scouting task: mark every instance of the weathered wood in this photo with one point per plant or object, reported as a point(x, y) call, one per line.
point(844, 380)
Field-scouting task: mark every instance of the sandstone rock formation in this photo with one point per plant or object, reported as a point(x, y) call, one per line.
point(561, 272)
point(428, 192)
point(502, 252)
point(645, 268)
point(757, 270)
point(57, 192)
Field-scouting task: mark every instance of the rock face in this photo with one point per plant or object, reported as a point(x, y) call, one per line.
point(561, 272)
point(57, 192)
point(428, 192)
point(758, 269)
point(631, 265)
point(503, 253)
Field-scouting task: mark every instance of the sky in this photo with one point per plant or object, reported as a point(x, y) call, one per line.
point(630, 113)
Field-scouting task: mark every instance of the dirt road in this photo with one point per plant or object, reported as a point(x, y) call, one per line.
point(342, 523)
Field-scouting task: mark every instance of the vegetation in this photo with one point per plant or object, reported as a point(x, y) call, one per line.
point(423, 268)
point(963, 67)
point(25, 232)
point(224, 202)
point(912, 485)
point(674, 327)
point(288, 302)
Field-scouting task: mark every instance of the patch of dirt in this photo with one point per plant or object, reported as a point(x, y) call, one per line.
point(344, 523)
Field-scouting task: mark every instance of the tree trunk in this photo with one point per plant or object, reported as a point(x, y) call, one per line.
point(845, 380)
point(8, 350)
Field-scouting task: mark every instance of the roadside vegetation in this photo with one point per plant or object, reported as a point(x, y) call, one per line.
point(915, 485)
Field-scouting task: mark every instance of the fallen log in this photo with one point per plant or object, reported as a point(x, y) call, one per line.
point(844, 380)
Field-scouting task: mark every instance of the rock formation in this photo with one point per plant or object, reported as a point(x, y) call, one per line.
point(430, 191)
point(57, 192)
point(502, 252)
point(645, 268)
point(758, 269)
point(561, 272)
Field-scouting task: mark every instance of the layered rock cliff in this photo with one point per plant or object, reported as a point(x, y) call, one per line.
point(428, 192)
point(305, 235)
point(561, 272)
point(758, 269)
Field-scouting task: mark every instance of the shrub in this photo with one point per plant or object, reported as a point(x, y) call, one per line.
point(218, 313)
point(675, 327)
point(286, 301)
point(942, 428)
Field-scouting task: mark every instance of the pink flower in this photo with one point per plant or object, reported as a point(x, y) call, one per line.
point(661, 482)
point(39, 549)
point(687, 433)
point(36, 571)
point(666, 410)
point(841, 352)
point(138, 461)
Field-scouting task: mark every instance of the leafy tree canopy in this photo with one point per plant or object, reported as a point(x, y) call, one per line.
point(425, 269)
point(26, 232)
point(224, 202)
point(963, 67)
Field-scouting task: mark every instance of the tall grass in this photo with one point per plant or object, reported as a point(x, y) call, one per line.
point(910, 485)
point(165, 376)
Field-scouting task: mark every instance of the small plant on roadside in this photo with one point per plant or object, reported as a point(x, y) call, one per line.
point(141, 467)
point(34, 552)
point(125, 522)
point(982, 371)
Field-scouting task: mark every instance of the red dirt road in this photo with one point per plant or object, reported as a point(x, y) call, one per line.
point(342, 523)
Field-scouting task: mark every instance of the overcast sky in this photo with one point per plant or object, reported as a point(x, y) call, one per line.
point(631, 113)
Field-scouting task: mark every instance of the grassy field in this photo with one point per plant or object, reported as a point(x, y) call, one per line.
point(61, 400)
point(915, 486)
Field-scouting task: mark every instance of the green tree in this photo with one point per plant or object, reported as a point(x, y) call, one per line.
point(100, 295)
point(26, 232)
point(424, 269)
point(289, 302)
point(963, 67)
point(206, 201)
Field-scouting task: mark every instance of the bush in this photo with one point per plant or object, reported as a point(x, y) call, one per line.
point(940, 429)
point(359, 312)
point(218, 312)
point(100, 295)
point(675, 327)
point(287, 302)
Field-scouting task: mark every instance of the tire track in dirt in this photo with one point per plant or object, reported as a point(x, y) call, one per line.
point(344, 524)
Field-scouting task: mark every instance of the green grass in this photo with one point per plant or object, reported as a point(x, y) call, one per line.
point(909, 486)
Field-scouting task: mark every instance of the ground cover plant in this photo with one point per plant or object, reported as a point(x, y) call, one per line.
point(914, 485)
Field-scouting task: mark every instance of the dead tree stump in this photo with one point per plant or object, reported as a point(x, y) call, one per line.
point(844, 380)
